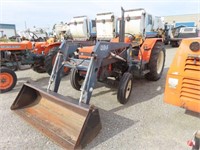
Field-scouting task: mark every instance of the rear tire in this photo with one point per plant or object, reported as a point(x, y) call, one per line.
point(39, 69)
point(8, 79)
point(125, 87)
point(49, 61)
point(174, 44)
point(76, 80)
point(156, 62)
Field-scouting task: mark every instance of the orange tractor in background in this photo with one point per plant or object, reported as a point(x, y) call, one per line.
point(183, 79)
point(14, 56)
point(40, 56)
point(22, 55)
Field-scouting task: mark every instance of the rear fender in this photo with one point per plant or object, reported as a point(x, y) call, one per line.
point(147, 48)
point(44, 47)
point(39, 48)
point(50, 46)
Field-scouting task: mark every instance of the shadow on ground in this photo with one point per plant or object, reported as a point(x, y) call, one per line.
point(142, 91)
point(191, 113)
point(112, 124)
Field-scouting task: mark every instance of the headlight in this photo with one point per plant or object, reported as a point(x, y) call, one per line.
point(172, 82)
point(195, 46)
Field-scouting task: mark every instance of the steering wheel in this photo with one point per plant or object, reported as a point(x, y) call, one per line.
point(131, 36)
point(33, 35)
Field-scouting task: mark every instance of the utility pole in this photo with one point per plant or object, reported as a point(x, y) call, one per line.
point(25, 25)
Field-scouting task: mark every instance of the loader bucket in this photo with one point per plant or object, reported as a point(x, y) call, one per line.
point(67, 122)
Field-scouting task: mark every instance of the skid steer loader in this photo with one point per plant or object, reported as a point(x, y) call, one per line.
point(74, 123)
point(182, 86)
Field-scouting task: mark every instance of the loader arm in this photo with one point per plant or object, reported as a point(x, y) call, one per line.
point(66, 50)
point(101, 51)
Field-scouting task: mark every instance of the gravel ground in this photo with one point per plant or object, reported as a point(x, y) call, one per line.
point(144, 123)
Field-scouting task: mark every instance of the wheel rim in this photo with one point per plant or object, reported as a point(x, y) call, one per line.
point(128, 89)
point(79, 78)
point(6, 81)
point(160, 62)
point(80, 81)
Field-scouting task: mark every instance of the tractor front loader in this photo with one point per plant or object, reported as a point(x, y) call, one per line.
point(74, 123)
point(68, 122)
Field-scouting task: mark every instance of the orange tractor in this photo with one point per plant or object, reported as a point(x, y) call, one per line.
point(74, 123)
point(183, 78)
point(17, 55)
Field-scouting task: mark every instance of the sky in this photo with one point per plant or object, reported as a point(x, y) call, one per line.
point(46, 13)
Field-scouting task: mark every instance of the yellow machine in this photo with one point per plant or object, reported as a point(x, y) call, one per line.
point(183, 78)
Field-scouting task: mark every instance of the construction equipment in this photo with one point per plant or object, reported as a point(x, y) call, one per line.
point(144, 23)
point(183, 32)
point(82, 28)
point(61, 117)
point(61, 31)
point(168, 28)
point(34, 34)
point(14, 56)
point(40, 56)
point(117, 59)
point(106, 26)
point(182, 86)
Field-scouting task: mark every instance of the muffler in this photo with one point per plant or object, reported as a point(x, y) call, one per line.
point(64, 120)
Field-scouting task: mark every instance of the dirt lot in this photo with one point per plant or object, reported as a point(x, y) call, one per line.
point(145, 122)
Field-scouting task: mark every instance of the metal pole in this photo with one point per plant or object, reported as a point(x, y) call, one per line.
point(122, 26)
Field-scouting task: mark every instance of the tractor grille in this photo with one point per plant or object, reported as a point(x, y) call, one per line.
point(192, 65)
point(190, 89)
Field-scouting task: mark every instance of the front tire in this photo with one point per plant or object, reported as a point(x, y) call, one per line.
point(156, 62)
point(76, 80)
point(125, 87)
point(8, 79)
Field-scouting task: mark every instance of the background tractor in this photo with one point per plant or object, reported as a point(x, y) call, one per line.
point(182, 33)
point(17, 56)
